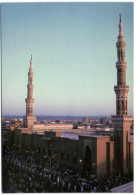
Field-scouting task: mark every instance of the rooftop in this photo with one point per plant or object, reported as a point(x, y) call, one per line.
point(124, 188)
point(75, 135)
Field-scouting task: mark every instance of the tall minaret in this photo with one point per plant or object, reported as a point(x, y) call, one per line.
point(29, 118)
point(121, 120)
point(121, 89)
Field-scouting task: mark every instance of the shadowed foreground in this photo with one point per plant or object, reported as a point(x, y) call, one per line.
point(30, 172)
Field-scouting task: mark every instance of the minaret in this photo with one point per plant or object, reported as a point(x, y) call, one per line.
point(121, 120)
point(29, 118)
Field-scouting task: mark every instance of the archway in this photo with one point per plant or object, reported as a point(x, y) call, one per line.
point(87, 161)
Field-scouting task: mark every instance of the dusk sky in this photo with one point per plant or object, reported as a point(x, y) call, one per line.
point(73, 47)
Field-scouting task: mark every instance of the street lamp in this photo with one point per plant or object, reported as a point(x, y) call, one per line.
point(50, 156)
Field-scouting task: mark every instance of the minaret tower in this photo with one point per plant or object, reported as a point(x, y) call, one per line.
point(121, 120)
point(29, 118)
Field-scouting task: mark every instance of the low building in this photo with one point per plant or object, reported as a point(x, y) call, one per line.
point(41, 128)
point(80, 152)
point(103, 120)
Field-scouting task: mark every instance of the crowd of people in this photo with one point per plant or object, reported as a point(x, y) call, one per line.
point(30, 172)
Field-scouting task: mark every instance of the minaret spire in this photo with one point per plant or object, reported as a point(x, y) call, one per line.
point(29, 118)
point(121, 121)
point(121, 89)
point(31, 60)
point(31, 69)
point(120, 16)
point(120, 37)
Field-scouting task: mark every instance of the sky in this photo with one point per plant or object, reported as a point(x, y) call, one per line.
point(73, 47)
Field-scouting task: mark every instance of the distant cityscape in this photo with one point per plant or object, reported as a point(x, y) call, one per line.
point(77, 121)
point(61, 119)
point(53, 117)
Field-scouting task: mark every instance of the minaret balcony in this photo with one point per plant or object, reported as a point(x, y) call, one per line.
point(123, 64)
point(30, 100)
point(120, 120)
point(122, 117)
point(121, 88)
point(120, 44)
point(30, 86)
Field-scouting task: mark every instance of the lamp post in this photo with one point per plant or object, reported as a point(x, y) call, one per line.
point(81, 163)
point(80, 160)
point(50, 156)
point(50, 159)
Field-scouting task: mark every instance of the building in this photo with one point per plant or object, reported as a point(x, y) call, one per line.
point(89, 120)
point(41, 128)
point(97, 153)
point(103, 120)
point(86, 120)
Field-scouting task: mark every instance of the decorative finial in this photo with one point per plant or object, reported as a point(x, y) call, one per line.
point(120, 16)
point(31, 61)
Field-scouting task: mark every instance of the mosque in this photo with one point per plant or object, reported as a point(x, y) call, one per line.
point(98, 154)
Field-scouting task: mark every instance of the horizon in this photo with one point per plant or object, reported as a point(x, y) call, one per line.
point(55, 117)
point(73, 64)
point(60, 115)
